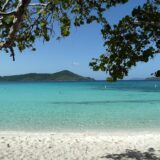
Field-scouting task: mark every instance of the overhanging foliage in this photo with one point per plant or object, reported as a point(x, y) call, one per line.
point(135, 38)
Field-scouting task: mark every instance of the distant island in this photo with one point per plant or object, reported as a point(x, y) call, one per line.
point(152, 78)
point(64, 75)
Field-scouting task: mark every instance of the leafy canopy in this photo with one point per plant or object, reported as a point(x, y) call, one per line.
point(135, 38)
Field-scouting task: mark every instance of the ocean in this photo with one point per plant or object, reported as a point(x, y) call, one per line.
point(80, 106)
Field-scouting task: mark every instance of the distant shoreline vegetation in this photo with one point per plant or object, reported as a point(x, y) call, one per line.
point(153, 78)
point(64, 75)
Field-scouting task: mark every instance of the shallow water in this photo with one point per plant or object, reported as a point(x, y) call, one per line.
point(80, 106)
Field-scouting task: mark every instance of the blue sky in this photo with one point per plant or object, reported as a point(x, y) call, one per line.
point(74, 53)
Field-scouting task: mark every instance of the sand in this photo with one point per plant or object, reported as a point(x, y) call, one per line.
point(78, 146)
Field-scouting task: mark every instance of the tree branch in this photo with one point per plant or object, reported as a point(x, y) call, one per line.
point(5, 5)
point(20, 11)
point(39, 4)
point(7, 13)
point(148, 23)
point(12, 53)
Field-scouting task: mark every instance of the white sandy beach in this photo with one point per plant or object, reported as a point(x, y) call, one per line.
point(72, 146)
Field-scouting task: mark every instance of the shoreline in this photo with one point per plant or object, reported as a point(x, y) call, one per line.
point(71, 145)
point(87, 132)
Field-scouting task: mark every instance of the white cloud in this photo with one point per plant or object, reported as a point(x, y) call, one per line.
point(76, 63)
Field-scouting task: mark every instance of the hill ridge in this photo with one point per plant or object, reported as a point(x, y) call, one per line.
point(64, 75)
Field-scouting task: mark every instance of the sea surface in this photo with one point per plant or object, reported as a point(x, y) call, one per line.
point(80, 106)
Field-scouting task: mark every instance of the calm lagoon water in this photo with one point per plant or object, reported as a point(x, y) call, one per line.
point(80, 106)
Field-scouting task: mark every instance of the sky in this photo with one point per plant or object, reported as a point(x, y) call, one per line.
point(74, 52)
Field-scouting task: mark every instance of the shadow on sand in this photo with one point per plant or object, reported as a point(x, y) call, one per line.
point(134, 155)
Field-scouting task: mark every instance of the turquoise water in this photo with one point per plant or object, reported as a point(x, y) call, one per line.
point(80, 106)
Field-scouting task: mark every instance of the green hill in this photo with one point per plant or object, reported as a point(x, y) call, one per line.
point(64, 75)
